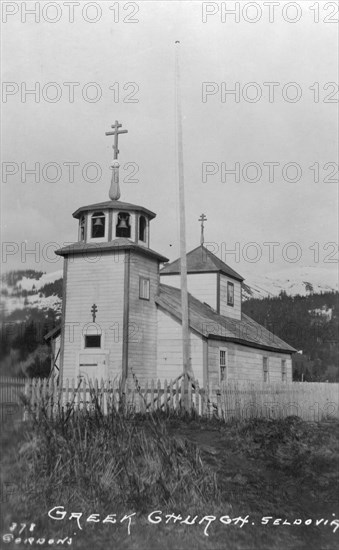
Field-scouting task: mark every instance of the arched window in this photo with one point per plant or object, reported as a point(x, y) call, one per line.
point(142, 228)
point(123, 228)
point(82, 225)
point(98, 225)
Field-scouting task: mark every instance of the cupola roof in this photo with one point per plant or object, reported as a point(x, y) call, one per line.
point(113, 205)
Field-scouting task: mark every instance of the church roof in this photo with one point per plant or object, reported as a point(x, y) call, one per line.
point(210, 324)
point(115, 245)
point(201, 260)
point(113, 205)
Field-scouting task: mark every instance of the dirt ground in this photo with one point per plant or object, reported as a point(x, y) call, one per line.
point(264, 473)
point(285, 471)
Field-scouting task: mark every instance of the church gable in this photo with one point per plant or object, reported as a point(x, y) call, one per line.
point(201, 260)
point(209, 279)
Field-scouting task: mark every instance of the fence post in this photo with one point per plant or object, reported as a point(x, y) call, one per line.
point(219, 408)
point(170, 402)
point(189, 396)
point(165, 396)
point(28, 394)
point(159, 395)
point(145, 396)
point(176, 400)
point(182, 392)
point(152, 395)
point(197, 397)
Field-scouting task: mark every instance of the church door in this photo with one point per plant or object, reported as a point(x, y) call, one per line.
point(92, 366)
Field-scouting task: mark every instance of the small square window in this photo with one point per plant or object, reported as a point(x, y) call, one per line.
point(230, 294)
point(144, 288)
point(92, 341)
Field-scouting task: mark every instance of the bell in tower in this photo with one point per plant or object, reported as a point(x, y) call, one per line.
point(112, 278)
point(123, 228)
point(98, 225)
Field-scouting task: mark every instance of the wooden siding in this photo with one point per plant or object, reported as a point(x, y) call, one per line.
point(63, 316)
point(245, 363)
point(169, 359)
point(88, 282)
point(230, 311)
point(142, 324)
point(202, 286)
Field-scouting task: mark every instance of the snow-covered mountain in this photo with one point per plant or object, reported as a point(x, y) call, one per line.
point(37, 290)
point(298, 280)
point(43, 291)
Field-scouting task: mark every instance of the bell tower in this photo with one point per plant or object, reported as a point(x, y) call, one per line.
point(111, 278)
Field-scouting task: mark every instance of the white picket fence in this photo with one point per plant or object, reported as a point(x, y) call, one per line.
point(310, 401)
point(10, 402)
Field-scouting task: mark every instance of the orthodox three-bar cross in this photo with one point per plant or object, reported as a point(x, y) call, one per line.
point(94, 310)
point(202, 219)
point(116, 133)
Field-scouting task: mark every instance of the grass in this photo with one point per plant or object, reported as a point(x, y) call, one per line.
point(122, 464)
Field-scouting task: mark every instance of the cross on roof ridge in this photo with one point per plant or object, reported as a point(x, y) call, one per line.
point(202, 219)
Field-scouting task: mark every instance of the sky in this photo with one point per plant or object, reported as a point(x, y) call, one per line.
point(91, 63)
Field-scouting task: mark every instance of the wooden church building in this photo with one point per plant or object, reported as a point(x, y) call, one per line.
point(121, 311)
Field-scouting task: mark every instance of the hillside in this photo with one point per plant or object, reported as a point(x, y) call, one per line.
point(299, 305)
point(308, 323)
point(30, 306)
point(296, 281)
point(28, 289)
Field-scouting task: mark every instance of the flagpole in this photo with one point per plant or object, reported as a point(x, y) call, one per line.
point(183, 260)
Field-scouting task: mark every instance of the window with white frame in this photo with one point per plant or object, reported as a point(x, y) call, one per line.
point(265, 369)
point(223, 364)
point(82, 226)
point(230, 294)
point(283, 370)
point(144, 286)
point(142, 228)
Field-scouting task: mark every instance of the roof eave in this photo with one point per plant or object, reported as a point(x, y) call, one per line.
point(123, 206)
point(69, 251)
point(190, 272)
point(251, 344)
